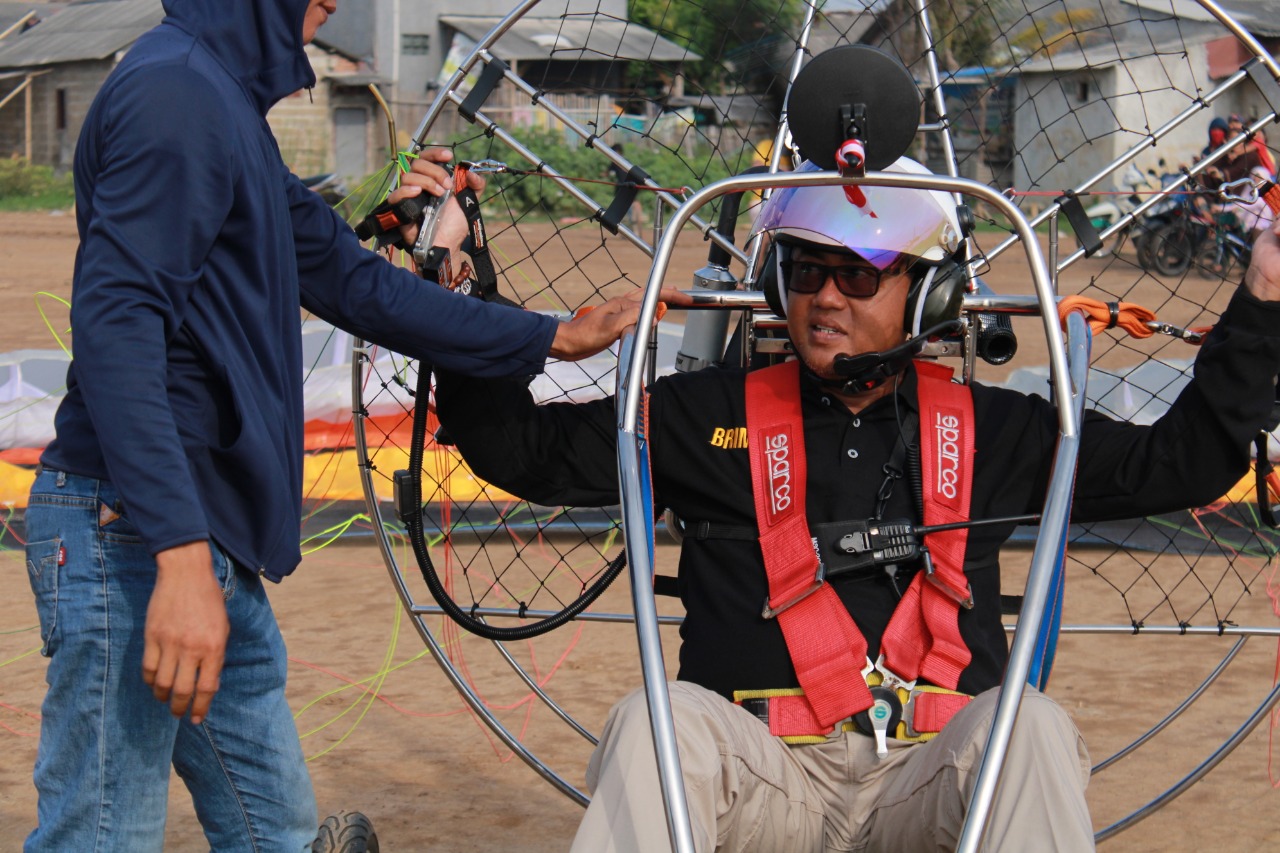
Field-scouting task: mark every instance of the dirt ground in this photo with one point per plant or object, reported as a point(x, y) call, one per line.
point(388, 735)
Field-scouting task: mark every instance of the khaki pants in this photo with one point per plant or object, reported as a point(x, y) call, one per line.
point(748, 791)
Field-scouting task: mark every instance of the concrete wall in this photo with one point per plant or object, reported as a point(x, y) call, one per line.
point(303, 123)
point(50, 146)
point(1090, 117)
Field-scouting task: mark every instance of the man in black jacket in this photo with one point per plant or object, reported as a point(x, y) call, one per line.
point(777, 752)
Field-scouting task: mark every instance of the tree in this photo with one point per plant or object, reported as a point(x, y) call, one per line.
point(739, 43)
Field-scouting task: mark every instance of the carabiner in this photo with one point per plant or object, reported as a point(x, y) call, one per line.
point(1189, 335)
point(484, 166)
point(1243, 191)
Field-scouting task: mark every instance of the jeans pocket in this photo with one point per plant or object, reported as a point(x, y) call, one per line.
point(224, 569)
point(115, 527)
point(42, 572)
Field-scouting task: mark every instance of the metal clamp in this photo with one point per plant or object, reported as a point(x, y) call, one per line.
point(1189, 335)
point(963, 597)
point(819, 578)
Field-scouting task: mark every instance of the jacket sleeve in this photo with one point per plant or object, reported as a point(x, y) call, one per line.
point(1199, 449)
point(555, 454)
point(359, 291)
point(162, 187)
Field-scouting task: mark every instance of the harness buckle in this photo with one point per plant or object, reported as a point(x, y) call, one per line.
point(909, 715)
point(819, 578)
point(889, 678)
point(882, 718)
point(962, 597)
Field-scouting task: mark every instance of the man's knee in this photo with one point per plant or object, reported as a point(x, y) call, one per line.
point(1044, 734)
point(689, 708)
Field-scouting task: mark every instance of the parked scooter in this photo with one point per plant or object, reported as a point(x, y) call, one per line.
point(1113, 207)
point(1171, 206)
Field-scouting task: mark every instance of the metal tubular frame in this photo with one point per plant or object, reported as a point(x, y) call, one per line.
point(1176, 712)
point(1046, 562)
point(473, 700)
point(1199, 772)
point(645, 618)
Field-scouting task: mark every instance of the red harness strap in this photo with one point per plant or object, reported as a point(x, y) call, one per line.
point(826, 647)
point(923, 636)
point(827, 650)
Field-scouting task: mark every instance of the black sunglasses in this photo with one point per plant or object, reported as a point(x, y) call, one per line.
point(808, 277)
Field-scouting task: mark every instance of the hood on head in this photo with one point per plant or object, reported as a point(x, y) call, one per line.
point(259, 41)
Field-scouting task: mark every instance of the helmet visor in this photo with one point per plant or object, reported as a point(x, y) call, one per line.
point(878, 223)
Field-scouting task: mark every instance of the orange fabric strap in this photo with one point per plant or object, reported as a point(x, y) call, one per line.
point(1134, 319)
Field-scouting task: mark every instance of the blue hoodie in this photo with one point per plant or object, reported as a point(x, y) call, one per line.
point(196, 248)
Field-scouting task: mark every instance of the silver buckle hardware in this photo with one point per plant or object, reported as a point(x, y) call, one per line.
point(890, 678)
point(962, 597)
point(819, 578)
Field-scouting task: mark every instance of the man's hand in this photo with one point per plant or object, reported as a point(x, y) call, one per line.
point(1263, 275)
point(186, 632)
point(589, 333)
point(428, 175)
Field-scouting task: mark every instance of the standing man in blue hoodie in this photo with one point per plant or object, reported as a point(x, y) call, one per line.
point(173, 487)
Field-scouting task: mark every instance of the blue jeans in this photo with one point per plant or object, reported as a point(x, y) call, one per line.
point(106, 743)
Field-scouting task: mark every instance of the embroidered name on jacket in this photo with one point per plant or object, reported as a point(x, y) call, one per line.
point(730, 438)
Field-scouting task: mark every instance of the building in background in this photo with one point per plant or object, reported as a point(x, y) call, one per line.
point(53, 63)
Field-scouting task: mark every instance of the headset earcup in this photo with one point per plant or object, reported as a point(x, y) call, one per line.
point(770, 281)
point(936, 297)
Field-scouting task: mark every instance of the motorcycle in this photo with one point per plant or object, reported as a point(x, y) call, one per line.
point(1171, 206)
point(1114, 207)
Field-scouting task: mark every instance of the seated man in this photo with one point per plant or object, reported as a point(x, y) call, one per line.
point(856, 717)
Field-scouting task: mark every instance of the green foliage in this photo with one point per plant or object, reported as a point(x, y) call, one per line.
point(742, 40)
point(967, 32)
point(24, 186)
point(693, 166)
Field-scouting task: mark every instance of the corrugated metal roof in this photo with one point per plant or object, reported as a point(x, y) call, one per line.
point(1106, 53)
point(571, 38)
point(81, 31)
point(1260, 17)
point(11, 13)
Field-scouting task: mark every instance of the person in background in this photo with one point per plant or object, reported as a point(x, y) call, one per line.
point(1265, 156)
point(1242, 162)
point(1217, 135)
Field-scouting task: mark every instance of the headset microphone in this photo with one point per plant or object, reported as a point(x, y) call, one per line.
point(859, 373)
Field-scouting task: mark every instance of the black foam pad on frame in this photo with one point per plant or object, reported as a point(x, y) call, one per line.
point(846, 77)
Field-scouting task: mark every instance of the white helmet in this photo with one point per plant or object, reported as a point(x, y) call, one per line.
point(880, 224)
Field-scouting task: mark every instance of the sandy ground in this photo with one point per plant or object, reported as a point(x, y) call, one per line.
point(413, 758)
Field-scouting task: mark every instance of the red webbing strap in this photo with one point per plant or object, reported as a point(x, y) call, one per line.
point(826, 648)
point(923, 636)
point(932, 711)
point(792, 716)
